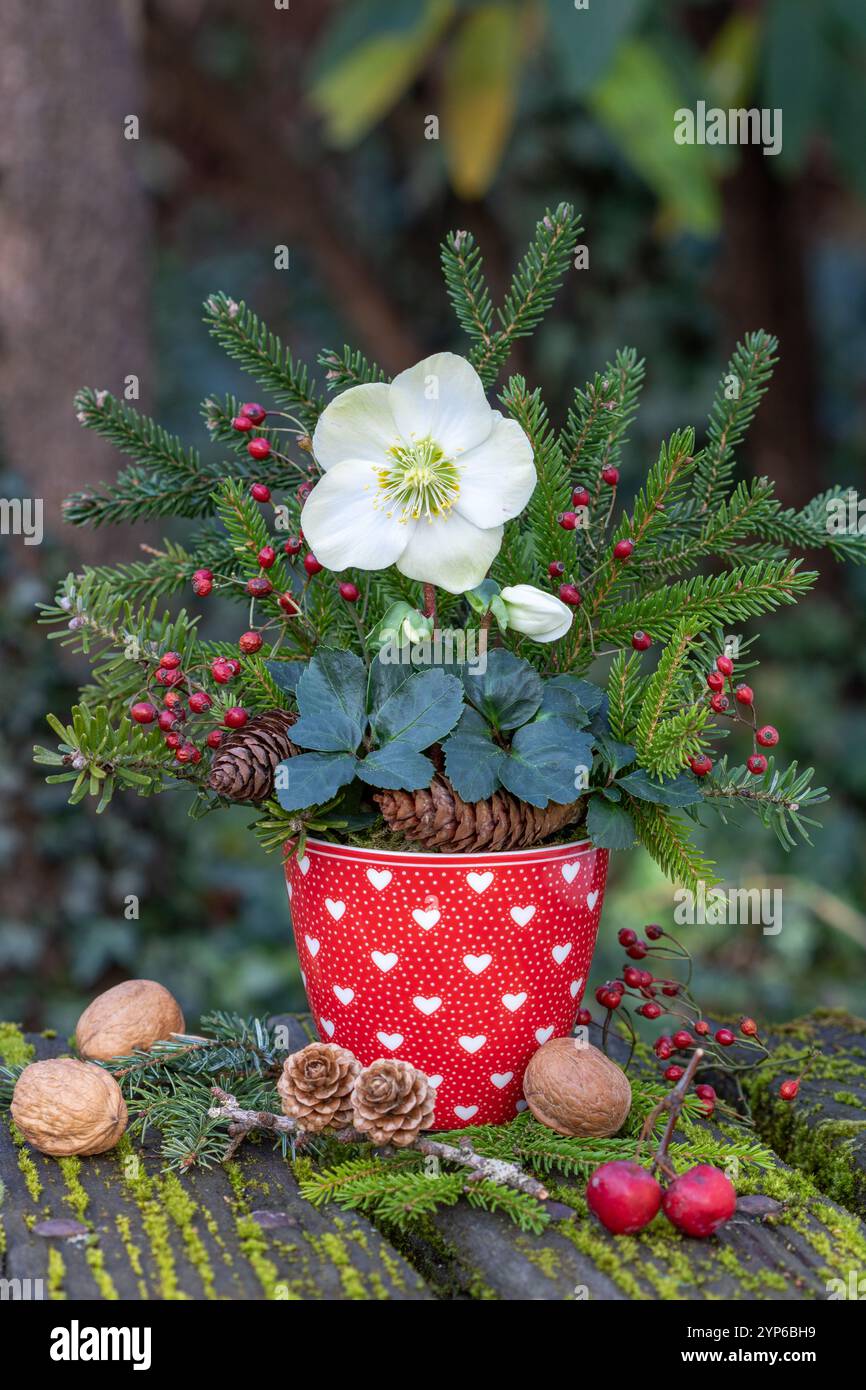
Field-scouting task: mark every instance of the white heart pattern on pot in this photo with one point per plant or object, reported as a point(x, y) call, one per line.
point(289, 891)
point(574, 987)
point(427, 1006)
point(477, 964)
point(426, 919)
point(345, 996)
point(435, 1081)
point(312, 945)
point(501, 1079)
point(380, 878)
point(571, 871)
point(390, 1040)
point(304, 865)
point(386, 960)
point(561, 953)
point(542, 1034)
point(592, 899)
point(465, 1112)
point(480, 881)
point(513, 1002)
point(472, 1044)
point(327, 1027)
point(522, 915)
point(335, 908)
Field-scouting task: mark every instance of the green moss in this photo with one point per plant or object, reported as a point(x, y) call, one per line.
point(331, 1246)
point(26, 1165)
point(133, 1251)
point(76, 1197)
point(56, 1274)
point(15, 1050)
point(849, 1098)
point(182, 1209)
point(154, 1218)
point(820, 1147)
point(615, 1263)
point(104, 1282)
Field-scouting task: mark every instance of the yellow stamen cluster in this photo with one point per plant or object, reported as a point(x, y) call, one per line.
point(419, 482)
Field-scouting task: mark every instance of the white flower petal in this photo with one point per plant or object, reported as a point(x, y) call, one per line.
point(358, 424)
point(543, 617)
point(450, 552)
point(341, 525)
point(497, 478)
point(442, 398)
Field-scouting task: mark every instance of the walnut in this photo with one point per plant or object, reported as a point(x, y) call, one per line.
point(65, 1107)
point(576, 1090)
point(133, 1015)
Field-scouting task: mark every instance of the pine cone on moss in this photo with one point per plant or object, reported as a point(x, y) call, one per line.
point(315, 1086)
point(392, 1102)
point(244, 764)
point(437, 818)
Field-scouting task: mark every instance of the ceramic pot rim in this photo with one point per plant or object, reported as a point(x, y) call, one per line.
point(327, 849)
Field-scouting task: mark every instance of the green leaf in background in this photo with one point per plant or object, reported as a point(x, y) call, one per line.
point(590, 696)
point(396, 766)
point(508, 692)
point(372, 51)
point(285, 674)
point(609, 826)
point(481, 77)
point(472, 763)
point(584, 41)
point(311, 779)
point(334, 683)
point(636, 103)
point(681, 790)
point(797, 73)
point(423, 710)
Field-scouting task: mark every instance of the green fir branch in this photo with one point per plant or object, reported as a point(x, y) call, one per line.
point(348, 368)
point(260, 352)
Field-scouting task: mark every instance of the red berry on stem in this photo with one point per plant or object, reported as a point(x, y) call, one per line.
point(744, 695)
point(724, 1037)
point(705, 1092)
point(632, 976)
point(624, 1197)
point(641, 640)
point(638, 950)
point(623, 549)
point(214, 738)
point(767, 737)
point(266, 556)
point(143, 712)
point(674, 1072)
point(242, 423)
point(646, 977)
point(172, 741)
point(757, 764)
point(725, 665)
point(701, 765)
point(682, 1040)
point(702, 1028)
point(349, 591)
point(293, 545)
point(789, 1090)
point(749, 1027)
point(184, 754)
point(202, 587)
point(715, 680)
point(699, 1201)
point(626, 937)
point(250, 642)
point(650, 1010)
point(289, 604)
point(221, 670)
point(260, 492)
point(259, 448)
point(171, 660)
point(168, 676)
point(568, 520)
point(610, 476)
point(169, 717)
point(570, 594)
point(663, 1049)
point(719, 702)
point(253, 412)
point(653, 931)
point(555, 569)
point(236, 717)
point(199, 701)
point(580, 497)
point(259, 587)
point(584, 1018)
point(202, 574)
point(311, 564)
point(670, 988)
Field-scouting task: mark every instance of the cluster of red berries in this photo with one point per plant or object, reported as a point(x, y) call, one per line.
point(626, 1197)
point(178, 685)
point(570, 521)
point(741, 698)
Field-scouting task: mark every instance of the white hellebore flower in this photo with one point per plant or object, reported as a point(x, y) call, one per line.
point(543, 617)
point(420, 474)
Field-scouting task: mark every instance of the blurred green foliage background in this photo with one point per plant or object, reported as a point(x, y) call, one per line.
point(312, 127)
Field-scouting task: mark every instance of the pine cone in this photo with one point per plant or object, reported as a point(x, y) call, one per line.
point(438, 818)
point(244, 764)
point(392, 1102)
point(316, 1084)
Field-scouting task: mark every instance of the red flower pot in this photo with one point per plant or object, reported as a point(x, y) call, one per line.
point(462, 964)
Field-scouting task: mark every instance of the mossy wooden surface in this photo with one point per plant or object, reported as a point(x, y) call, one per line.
point(244, 1232)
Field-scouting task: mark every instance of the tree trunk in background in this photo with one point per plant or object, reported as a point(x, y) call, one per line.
point(73, 244)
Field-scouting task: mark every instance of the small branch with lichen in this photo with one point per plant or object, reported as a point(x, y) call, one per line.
point(243, 1122)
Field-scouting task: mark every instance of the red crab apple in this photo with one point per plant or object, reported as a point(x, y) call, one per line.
point(699, 1201)
point(624, 1197)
